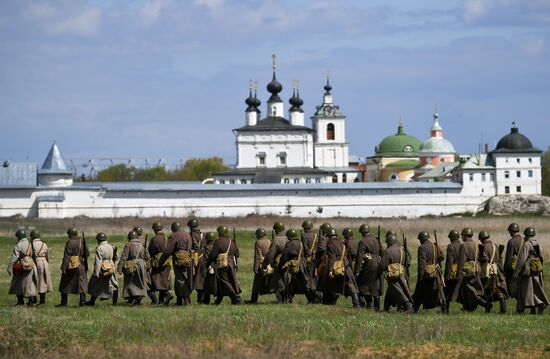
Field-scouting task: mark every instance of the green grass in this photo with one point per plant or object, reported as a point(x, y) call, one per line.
point(264, 330)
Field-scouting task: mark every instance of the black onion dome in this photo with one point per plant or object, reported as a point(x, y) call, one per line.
point(296, 102)
point(327, 87)
point(514, 141)
point(251, 102)
point(257, 101)
point(274, 87)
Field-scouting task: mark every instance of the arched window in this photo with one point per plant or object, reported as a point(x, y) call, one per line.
point(335, 179)
point(344, 178)
point(393, 177)
point(330, 131)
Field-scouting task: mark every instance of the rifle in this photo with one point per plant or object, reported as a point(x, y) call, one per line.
point(406, 248)
point(272, 235)
point(234, 257)
point(83, 249)
point(379, 243)
point(436, 257)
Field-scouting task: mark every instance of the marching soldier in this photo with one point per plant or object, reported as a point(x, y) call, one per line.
point(41, 258)
point(310, 246)
point(513, 247)
point(262, 279)
point(294, 265)
point(151, 293)
point(272, 258)
point(179, 247)
point(367, 262)
point(321, 261)
point(429, 286)
point(469, 290)
point(223, 255)
point(160, 272)
point(451, 266)
point(23, 270)
point(529, 275)
point(132, 264)
point(103, 283)
point(210, 285)
point(74, 266)
point(492, 276)
point(393, 264)
point(199, 261)
point(340, 279)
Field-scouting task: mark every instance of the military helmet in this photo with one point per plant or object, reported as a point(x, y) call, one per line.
point(35, 234)
point(347, 232)
point(307, 224)
point(210, 236)
point(222, 230)
point(176, 226)
point(278, 227)
point(132, 235)
point(72, 232)
point(325, 227)
point(260, 232)
point(391, 233)
point(467, 231)
point(453, 234)
point(513, 227)
point(157, 226)
point(529, 232)
point(138, 230)
point(364, 228)
point(101, 237)
point(20, 234)
point(332, 233)
point(391, 239)
point(483, 235)
point(193, 223)
point(292, 234)
point(423, 235)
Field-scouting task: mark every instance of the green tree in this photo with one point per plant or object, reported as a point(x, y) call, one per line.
point(546, 173)
point(151, 174)
point(116, 173)
point(197, 169)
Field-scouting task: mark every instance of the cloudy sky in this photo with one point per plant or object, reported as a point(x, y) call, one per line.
point(167, 78)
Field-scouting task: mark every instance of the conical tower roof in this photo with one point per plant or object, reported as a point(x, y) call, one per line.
point(54, 162)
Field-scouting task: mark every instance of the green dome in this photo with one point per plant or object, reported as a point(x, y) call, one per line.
point(398, 145)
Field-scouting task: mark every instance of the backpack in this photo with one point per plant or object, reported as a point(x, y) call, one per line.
point(338, 269)
point(396, 270)
point(222, 259)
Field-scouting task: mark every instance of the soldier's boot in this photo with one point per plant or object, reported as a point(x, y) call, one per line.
point(187, 301)
point(311, 296)
point(82, 301)
point(409, 308)
point(31, 301)
point(137, 300)
point(42, 299)
point(20, 300)
point(218, 300)
point(153, 296)
point(236, 300)
point(167, 298)
point(485, 304)
point(115, 297)
point(377, 303)
point(502, 303)
point(355, 300)
point(91, 302)
point(416, 307)
point(200, 296)
point(368, 300)
point(64, 300)
point(362, 302)
point(179, 301)
point(533, 310)
point(541, 308)
point(254, 299)
point(206, 299)
point(162, 295)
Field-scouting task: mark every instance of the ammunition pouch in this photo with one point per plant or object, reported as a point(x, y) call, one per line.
point(182, 259)
point(470, 269)
point(130, 266)
point(107, 268)
point(394, 271)
point(293, 266)
point(514, 262)
point(222, 260)
point(338, 269)
point(490, 270)
point(430, 271)
point(454, 271)
point(535, 266)
point(74, 262)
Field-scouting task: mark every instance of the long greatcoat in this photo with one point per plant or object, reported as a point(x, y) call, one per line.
point(210, 286)
point(101, 286)
point(367, 262)
point(160, 275)
point(295, 283)
point(429, 291)
point(530, 286)
point(262, 283)
point(135, 284)
point(44, 279)
point(147, 271)
point(342, 285)
point(200, 270)
point(513, 247)
point(272, 258)
point(320, 263)
point(451, 260)
point(310, 246)
point(397, 292)
point(227, 283)
point(180, 241)
point(74, 281)
point(468, 290)
point(25, 283)
point(494, 286)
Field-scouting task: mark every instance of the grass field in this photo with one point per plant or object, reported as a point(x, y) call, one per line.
point(267, 329)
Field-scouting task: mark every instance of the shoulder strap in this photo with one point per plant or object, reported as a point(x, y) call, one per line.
point(165, 240)
point(475, 258)
point(493, 254)
point(228, 247)
point(343, 252)
point(436, 253)
point(300, 253)
point(29, 249)
point(521, 246)
point(401, 255)
point(314, 241)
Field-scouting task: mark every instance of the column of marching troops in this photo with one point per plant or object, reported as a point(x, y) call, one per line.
point(318, 264)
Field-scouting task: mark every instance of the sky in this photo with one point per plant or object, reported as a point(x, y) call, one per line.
point(168, 78)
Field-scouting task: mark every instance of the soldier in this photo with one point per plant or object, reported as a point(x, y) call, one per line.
point(393, 264)
point(74, 266)
point(199, 261)
point(451, 266)
point(160, 272)
point(272, 258)
point(529, 275)
point(223, 255)
point(469, 290)
point(262, 279)
point(180, 248)
point(320, 262)
point(340, 279)
point(210, 285)
point(103, 283)
point(367, 262)
point(41, 259)
point(151, 293)
point(492, 276)
point(429, 285)
point(132, 264)
point(513, 247)
point(23, 270)
point(294, 265)
point(309, 241)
